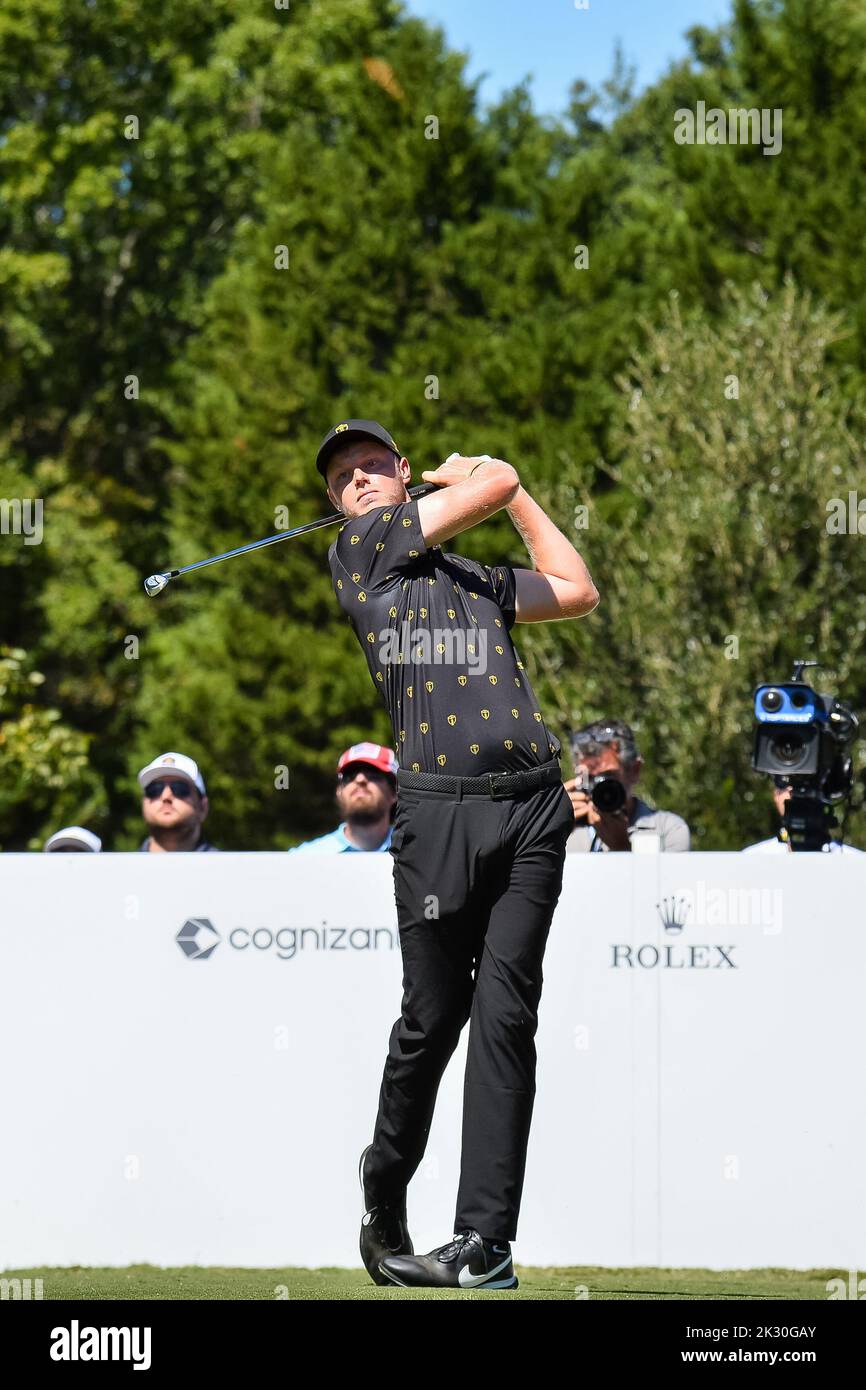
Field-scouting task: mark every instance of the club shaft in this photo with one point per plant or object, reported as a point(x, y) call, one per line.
point(414, 492)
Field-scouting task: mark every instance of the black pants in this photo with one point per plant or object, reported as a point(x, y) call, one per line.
point(476, 881)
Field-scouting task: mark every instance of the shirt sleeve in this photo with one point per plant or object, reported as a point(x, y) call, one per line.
point(675, 834)
point(504, 584)
point(374, 548)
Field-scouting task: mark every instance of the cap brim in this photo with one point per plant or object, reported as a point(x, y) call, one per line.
point(348, 437)
point(169, 774)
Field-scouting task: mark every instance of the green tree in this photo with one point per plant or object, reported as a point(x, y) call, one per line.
point(45, 779)
point(732, 439)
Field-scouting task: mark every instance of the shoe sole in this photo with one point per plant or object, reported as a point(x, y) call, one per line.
point(361, 1169)
point(361, 1181)
point(495, 1284)
point(383, 1279)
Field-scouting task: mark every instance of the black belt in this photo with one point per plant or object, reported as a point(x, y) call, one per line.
point(494, 784)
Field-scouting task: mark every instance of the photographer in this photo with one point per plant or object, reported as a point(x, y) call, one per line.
point(607, 813)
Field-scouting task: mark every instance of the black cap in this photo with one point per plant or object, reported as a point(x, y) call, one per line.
point(345, 432)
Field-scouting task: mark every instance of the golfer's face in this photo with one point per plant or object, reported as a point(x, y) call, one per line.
point(364, 475)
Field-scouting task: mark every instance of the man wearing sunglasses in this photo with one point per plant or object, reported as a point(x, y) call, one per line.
point(174, 805)
point(366, 793)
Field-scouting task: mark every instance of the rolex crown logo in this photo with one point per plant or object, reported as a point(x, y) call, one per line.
point(485, 714)
point(353, 540)
point(461, 680)
point(509, 744)
point(416, 767)
point(380, 545)
point(370, 637)
point(516, 713)
point(673, 912)
point(441, 759)
point(362, 597)
point(492, 679)
point(422, 612)
point(424, 726)
point(407, 521)
point(387, 516)
point(409, 691)
point(452, 613)
point(452, 719)
point(356, 576)
point(474, 747)
point(536, 716)
point(440, 647)
point(428, 686)
point(392, 612)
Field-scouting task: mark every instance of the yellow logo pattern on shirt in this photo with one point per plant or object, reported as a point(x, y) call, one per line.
point(429, 685)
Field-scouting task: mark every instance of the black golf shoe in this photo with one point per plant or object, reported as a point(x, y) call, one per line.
point(467, 1262)
point(383, 1229)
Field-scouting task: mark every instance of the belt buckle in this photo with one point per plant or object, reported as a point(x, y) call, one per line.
point(494, 778)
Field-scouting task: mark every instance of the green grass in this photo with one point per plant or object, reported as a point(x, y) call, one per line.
point(149, 1281)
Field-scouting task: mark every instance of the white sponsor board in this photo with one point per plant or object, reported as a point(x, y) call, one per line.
point(200, 1094)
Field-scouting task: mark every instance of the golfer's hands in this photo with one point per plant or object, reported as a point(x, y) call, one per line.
point(610, 826)
point(456, 469)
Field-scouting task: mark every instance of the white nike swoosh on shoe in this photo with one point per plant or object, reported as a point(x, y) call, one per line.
point(467, 1280)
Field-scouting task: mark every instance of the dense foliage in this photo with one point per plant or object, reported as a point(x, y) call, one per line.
point(225, 230)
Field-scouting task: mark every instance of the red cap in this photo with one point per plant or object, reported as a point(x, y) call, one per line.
point(371, 753)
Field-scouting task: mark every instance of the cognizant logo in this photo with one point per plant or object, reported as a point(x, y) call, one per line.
point(198, 938)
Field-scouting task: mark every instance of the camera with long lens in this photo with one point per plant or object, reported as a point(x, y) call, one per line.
point(605, 790)
point(803, 739)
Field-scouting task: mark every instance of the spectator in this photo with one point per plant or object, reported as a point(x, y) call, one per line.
point(174, 804)
point(780, 844)
point(608, 746)
point(74, 839)
point(366, 794)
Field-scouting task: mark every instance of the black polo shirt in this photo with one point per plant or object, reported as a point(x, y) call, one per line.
point(435, 629)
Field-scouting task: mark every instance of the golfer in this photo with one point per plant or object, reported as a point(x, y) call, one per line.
point(479, 832)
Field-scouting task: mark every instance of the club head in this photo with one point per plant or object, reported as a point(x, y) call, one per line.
point(155, 583)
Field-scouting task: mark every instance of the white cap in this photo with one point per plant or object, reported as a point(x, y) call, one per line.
point(172, 765)
point(73, 837)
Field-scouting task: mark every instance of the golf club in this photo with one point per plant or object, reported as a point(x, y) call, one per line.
point(155, 583)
